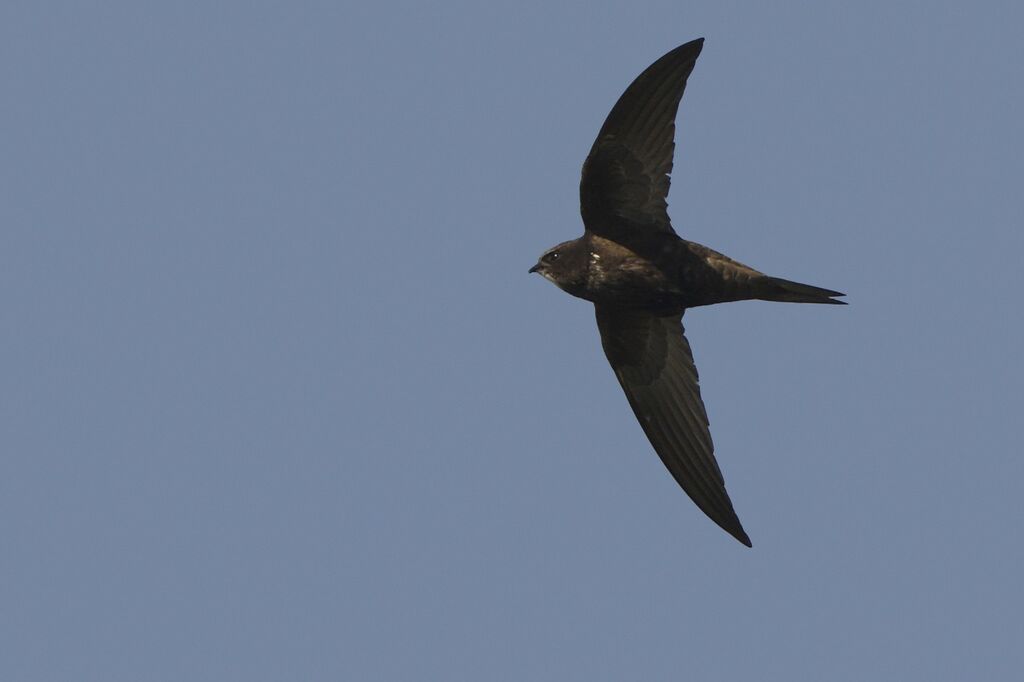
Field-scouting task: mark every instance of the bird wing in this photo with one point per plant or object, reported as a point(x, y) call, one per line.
point(652, 360)
point(625, 179)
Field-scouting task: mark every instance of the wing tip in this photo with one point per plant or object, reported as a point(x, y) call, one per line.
point(736, 530)
point(691, 49)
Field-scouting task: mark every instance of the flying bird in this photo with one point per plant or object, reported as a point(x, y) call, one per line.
point(641, 277)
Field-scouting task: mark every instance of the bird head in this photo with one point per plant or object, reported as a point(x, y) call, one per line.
point(564, 265)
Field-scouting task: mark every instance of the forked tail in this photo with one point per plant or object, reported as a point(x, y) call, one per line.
point(775, 289)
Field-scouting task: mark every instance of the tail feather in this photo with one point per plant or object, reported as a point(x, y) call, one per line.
point(776, 289)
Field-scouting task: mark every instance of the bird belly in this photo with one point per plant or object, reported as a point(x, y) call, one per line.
point(633, 282)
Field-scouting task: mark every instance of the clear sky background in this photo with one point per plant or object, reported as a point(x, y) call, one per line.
point(279, 400)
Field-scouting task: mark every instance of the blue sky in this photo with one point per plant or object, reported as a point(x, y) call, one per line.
point(280, 400)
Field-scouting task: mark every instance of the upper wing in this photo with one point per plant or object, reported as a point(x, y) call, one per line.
point(625, 178)
point(652, 360)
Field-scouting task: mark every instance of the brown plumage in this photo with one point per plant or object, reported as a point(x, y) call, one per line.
point(641, 277)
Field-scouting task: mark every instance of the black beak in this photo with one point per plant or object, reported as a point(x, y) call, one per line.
point(535, 268)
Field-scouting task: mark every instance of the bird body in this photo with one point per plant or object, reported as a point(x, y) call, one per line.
point(641, 277)
point(665, 275)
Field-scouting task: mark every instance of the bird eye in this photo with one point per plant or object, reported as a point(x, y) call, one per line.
point(554, 255)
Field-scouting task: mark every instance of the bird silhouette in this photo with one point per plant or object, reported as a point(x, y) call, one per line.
point(641, 277)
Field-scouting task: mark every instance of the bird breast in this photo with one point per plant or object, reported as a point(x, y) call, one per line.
point(618, 276)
